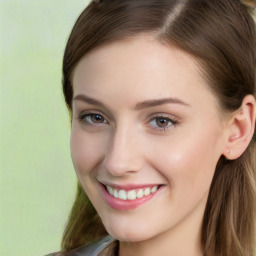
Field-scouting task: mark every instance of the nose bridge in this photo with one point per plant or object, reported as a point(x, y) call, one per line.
point(123, 154)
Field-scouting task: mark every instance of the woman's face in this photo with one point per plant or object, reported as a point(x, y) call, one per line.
point(146, 137)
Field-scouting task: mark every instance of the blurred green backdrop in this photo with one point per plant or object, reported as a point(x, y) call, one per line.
point(37, 183)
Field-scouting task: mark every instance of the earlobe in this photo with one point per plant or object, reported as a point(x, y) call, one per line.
point(240, 129)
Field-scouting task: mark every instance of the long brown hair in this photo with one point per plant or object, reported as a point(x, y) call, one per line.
point(221, 36)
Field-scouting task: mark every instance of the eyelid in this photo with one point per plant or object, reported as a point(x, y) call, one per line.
point(81, 107)
point(164, 115)
point(82, 115)
point(172, 118)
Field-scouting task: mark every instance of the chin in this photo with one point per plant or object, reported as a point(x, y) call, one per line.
point(129, 235)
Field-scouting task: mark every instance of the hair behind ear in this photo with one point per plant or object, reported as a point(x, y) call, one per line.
point(228, 228)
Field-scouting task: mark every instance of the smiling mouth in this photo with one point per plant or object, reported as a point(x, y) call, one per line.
point(132, 194)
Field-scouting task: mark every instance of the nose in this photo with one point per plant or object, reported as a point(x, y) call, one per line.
point(123, 155)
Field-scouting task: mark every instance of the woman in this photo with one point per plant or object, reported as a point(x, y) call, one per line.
point(162, 101)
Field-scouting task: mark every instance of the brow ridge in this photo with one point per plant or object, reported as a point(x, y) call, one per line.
point(156, 102)
point(138, 106)
point(89, 100)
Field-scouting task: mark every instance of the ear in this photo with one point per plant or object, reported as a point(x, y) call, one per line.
point(240, 129)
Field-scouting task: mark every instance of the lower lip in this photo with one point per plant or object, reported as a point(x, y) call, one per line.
point(123, 205)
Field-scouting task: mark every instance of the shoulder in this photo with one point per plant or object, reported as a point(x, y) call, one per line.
point(88, 250)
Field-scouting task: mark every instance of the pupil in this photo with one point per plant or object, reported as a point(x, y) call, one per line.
point(162, 122)
point(97, 118)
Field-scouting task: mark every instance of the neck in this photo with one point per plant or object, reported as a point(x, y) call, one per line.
point(182, 239)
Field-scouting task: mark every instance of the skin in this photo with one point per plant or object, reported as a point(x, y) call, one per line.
point(126, 145)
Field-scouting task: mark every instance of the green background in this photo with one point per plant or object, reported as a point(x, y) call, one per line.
point(37, 182)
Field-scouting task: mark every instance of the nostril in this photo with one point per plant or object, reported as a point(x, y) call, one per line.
point(123, 167)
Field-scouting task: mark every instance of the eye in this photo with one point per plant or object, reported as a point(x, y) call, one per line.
point(95, 118)
point(92, 118)
point(162, 122)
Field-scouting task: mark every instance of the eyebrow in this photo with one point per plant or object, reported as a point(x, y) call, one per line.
point(139, 106)
point(89, 100)
point(157, 102)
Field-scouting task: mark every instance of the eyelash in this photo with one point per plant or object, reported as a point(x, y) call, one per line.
point(172, 121)
point(82, 118)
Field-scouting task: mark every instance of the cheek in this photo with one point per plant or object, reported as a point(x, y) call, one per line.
point(188, 163)
point(86, 151)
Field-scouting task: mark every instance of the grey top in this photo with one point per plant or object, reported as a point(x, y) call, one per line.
point(88, 250)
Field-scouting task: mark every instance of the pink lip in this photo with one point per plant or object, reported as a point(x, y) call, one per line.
point(123, 205)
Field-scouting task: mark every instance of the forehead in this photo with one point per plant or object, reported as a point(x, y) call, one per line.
point(140, 68)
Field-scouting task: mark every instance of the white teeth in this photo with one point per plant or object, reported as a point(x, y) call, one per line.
point(140, 193)
point(131, 194)
point(154, 189)
point(110, 190)
point(115, 193)
point(122, 195)
point(147, 191)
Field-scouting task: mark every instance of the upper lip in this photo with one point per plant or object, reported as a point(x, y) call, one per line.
point(130, 186)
